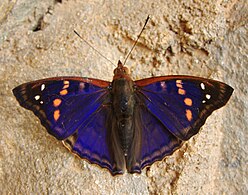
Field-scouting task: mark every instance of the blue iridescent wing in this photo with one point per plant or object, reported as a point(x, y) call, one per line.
point(68, 107)
point(91, 141)
point(153, 140)
point(180, 105)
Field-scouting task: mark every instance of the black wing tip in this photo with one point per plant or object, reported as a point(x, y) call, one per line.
point(20, 93)
point(16, 91)
point(226, 93)
point(229, 91)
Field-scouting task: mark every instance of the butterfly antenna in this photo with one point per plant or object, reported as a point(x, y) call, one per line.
point(148, 17)
point(93, 48)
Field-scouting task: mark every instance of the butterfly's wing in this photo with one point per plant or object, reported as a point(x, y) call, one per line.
point(152, 140)
point(74, 110)
point(173, 108)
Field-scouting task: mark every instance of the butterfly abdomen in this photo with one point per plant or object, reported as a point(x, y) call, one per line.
point(123, 110)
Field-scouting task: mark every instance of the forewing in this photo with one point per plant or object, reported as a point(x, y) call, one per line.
point(71, 109)
point(182, 103)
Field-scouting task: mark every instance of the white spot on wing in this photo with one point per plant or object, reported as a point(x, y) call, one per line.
point(208, 96)
point(163, 85)
point(81, 86)
point(37, 97)
point(203, 101)
point(42, 87)
point(202, 86)
point(41, 102)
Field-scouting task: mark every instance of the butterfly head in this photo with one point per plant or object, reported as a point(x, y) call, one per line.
point(121, 71)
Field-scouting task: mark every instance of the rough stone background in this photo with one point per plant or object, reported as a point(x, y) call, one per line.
point(202, 38)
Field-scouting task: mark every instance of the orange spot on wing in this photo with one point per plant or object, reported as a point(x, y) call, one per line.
point(66, 84)
point(188, 101)
point(181, 91)
point(63, 92)
point(179, 83)
point(57, 102)
point(56, 115)
point(189, 114)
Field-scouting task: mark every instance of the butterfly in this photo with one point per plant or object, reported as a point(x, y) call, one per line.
point(123, 124)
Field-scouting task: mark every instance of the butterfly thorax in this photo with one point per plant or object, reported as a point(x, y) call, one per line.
point(123, 106)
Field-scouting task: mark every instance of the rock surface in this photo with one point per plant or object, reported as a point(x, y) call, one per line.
point(201, 38)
